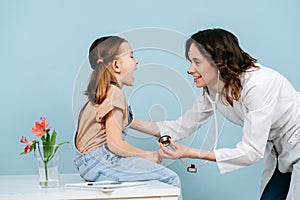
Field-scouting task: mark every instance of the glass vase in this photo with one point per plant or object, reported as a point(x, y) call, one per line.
point(48, 159)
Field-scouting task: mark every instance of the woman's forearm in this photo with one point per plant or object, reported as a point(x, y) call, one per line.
point(146, 127)
point(181, 151)
point(200, 154)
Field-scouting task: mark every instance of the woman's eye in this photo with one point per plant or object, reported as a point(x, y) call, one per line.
point(196, 61)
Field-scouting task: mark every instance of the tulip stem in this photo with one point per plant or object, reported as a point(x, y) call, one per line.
point(46, 172)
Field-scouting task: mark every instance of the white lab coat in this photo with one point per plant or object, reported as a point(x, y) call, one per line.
point(268, 111)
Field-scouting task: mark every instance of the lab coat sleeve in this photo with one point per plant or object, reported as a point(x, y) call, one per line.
point(260, 100)
point(189, 122)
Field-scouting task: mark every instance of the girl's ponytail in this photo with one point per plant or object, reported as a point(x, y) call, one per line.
point(101, 54)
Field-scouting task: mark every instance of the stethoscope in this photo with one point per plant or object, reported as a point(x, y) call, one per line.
point(165, 139)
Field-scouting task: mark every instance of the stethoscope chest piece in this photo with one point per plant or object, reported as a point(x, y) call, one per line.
point(165, 140)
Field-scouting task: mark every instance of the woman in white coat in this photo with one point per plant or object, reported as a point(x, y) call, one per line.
point(257, 98)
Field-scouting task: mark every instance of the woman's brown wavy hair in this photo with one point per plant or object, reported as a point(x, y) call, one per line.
point(222, 47)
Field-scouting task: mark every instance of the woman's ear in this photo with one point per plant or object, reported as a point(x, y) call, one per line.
point(115, 66)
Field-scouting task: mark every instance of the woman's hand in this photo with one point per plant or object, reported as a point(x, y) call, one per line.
point(153, 156)
point(178, 151)
point(182, 151)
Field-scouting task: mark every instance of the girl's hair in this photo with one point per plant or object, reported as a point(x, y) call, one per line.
point(101, 54)
point(222, 48)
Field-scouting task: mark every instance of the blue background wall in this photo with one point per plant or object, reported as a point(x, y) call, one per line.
point(44, 44)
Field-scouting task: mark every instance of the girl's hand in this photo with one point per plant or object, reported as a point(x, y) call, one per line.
point(178, 151)
point(153, 156)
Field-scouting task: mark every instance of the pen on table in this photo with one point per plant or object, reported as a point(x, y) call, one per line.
point(98, 183)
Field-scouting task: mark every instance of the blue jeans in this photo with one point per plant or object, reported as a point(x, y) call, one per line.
point(278, 186)
point(101, 164)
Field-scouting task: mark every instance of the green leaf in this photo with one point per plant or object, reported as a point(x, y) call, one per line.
point(43, 139)
point(48, 137)
point(56, 148)
point(48, 150)
point(67, 142)
point(53, 138)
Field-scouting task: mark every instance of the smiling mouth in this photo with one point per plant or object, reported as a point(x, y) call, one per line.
point(197, 77)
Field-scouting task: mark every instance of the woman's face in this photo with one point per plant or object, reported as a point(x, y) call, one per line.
point(126, 63)
point(201, 69)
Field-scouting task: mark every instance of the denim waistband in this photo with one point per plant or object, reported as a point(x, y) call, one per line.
point(98, 153)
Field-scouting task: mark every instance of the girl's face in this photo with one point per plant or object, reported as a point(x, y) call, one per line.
point(126, 64)
point(203, 72)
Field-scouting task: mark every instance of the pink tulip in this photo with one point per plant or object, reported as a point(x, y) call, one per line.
point(24, 140)
point(41, 127)
point(38, 131)
point(44, 122)
point(27, 148)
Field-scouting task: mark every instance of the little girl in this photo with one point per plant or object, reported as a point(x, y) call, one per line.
point(99, 148)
